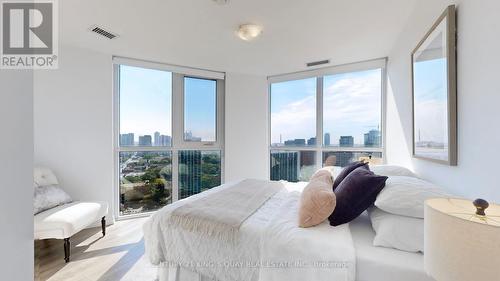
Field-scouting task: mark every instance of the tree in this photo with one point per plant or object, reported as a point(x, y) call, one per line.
point(158, 190)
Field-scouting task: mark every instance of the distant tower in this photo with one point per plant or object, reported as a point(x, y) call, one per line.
point(372, 138)
point(327, 139)
point(346, 141)
point(190, 165)
point(145, 140)
point(157, 139)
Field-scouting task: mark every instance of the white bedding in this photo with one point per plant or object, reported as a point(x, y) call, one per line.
point(331, 247)
point(371, 263)
point(383, 264)
point(322, 252)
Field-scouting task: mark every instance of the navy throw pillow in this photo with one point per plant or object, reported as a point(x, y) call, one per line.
point(347, 170)
point(356, 193)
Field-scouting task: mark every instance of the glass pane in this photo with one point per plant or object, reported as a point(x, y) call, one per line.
point(145, 107)
point(145, 181)
point(292, 166)
point(293, 113)
point(342, 158)
point(200, 109)
point(198, 171)
point(352, 110)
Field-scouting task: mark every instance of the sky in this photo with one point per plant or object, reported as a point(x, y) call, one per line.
point(146, 103)
point(200, 107)
point(430, 96)
point(351, 106)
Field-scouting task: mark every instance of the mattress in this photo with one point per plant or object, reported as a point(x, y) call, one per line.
point(383, 264)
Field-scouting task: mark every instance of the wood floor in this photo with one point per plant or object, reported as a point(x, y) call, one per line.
point(117, 256)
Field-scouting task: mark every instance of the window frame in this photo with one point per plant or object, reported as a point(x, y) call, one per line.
point(178, 143)
point(219, 105)
point(319, 74)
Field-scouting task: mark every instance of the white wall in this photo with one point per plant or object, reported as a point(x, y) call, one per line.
point(73, 123)
point(478, 98)
point(246, 141)
point(16, 172)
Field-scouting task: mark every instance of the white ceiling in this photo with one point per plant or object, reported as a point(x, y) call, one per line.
point(200, 33)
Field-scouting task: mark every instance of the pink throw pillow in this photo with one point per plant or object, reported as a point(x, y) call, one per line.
point(317, 201)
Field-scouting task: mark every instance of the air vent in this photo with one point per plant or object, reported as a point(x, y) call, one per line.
point(101, 31)
point(221, 2)
point(315, 63)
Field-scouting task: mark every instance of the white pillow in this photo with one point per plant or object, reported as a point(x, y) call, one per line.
point(392, 170)
point(399, 232)
point(49, 196)
point(405, 196)
point(44, 176)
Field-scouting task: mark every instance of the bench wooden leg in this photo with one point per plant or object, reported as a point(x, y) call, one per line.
point(66, 249)
point(103, 226)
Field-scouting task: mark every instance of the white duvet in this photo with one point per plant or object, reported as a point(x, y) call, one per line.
point(270, 245)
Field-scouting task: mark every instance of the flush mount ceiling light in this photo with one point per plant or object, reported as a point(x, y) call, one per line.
point(248, 32)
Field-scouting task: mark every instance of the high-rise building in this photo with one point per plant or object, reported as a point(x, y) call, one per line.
point(372, 138)
point(189, 173)
point(311, 141)
point(145, 140)
point(346, 141)
point(285, 165)
point(340, 158)
point(165, 140)
point(127, 139)
point(296, 142)
point(157, 139)
point(327, 139)
point(188, 136)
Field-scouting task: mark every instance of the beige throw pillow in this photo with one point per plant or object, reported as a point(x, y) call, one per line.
point(317, 201)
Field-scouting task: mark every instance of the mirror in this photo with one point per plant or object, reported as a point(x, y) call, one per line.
point(434, 92)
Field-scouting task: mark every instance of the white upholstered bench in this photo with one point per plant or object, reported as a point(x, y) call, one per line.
point(64, 221)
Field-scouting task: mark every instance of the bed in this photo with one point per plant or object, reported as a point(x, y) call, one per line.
point(383, 264)
point(271, 247)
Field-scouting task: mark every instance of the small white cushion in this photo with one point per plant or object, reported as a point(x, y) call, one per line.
point(64, 221)
point(406, 196)
point(49, 196)
point(392, 170)
point(44, 176)
point(399, 232)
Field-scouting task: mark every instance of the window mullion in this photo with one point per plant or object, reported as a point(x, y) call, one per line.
point(177, 129)
point(177, 110)
point(319, 121)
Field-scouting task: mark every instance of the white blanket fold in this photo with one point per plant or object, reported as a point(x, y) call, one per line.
point(221, 214)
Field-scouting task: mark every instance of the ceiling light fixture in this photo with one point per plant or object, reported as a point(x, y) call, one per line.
point(248, 32)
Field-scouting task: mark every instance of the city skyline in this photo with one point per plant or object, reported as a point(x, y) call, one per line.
point(371, 138)
point(156, 139)
point(351, 106)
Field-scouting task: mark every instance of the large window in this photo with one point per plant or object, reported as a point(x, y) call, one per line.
point(326, 117)
point(169, 124)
